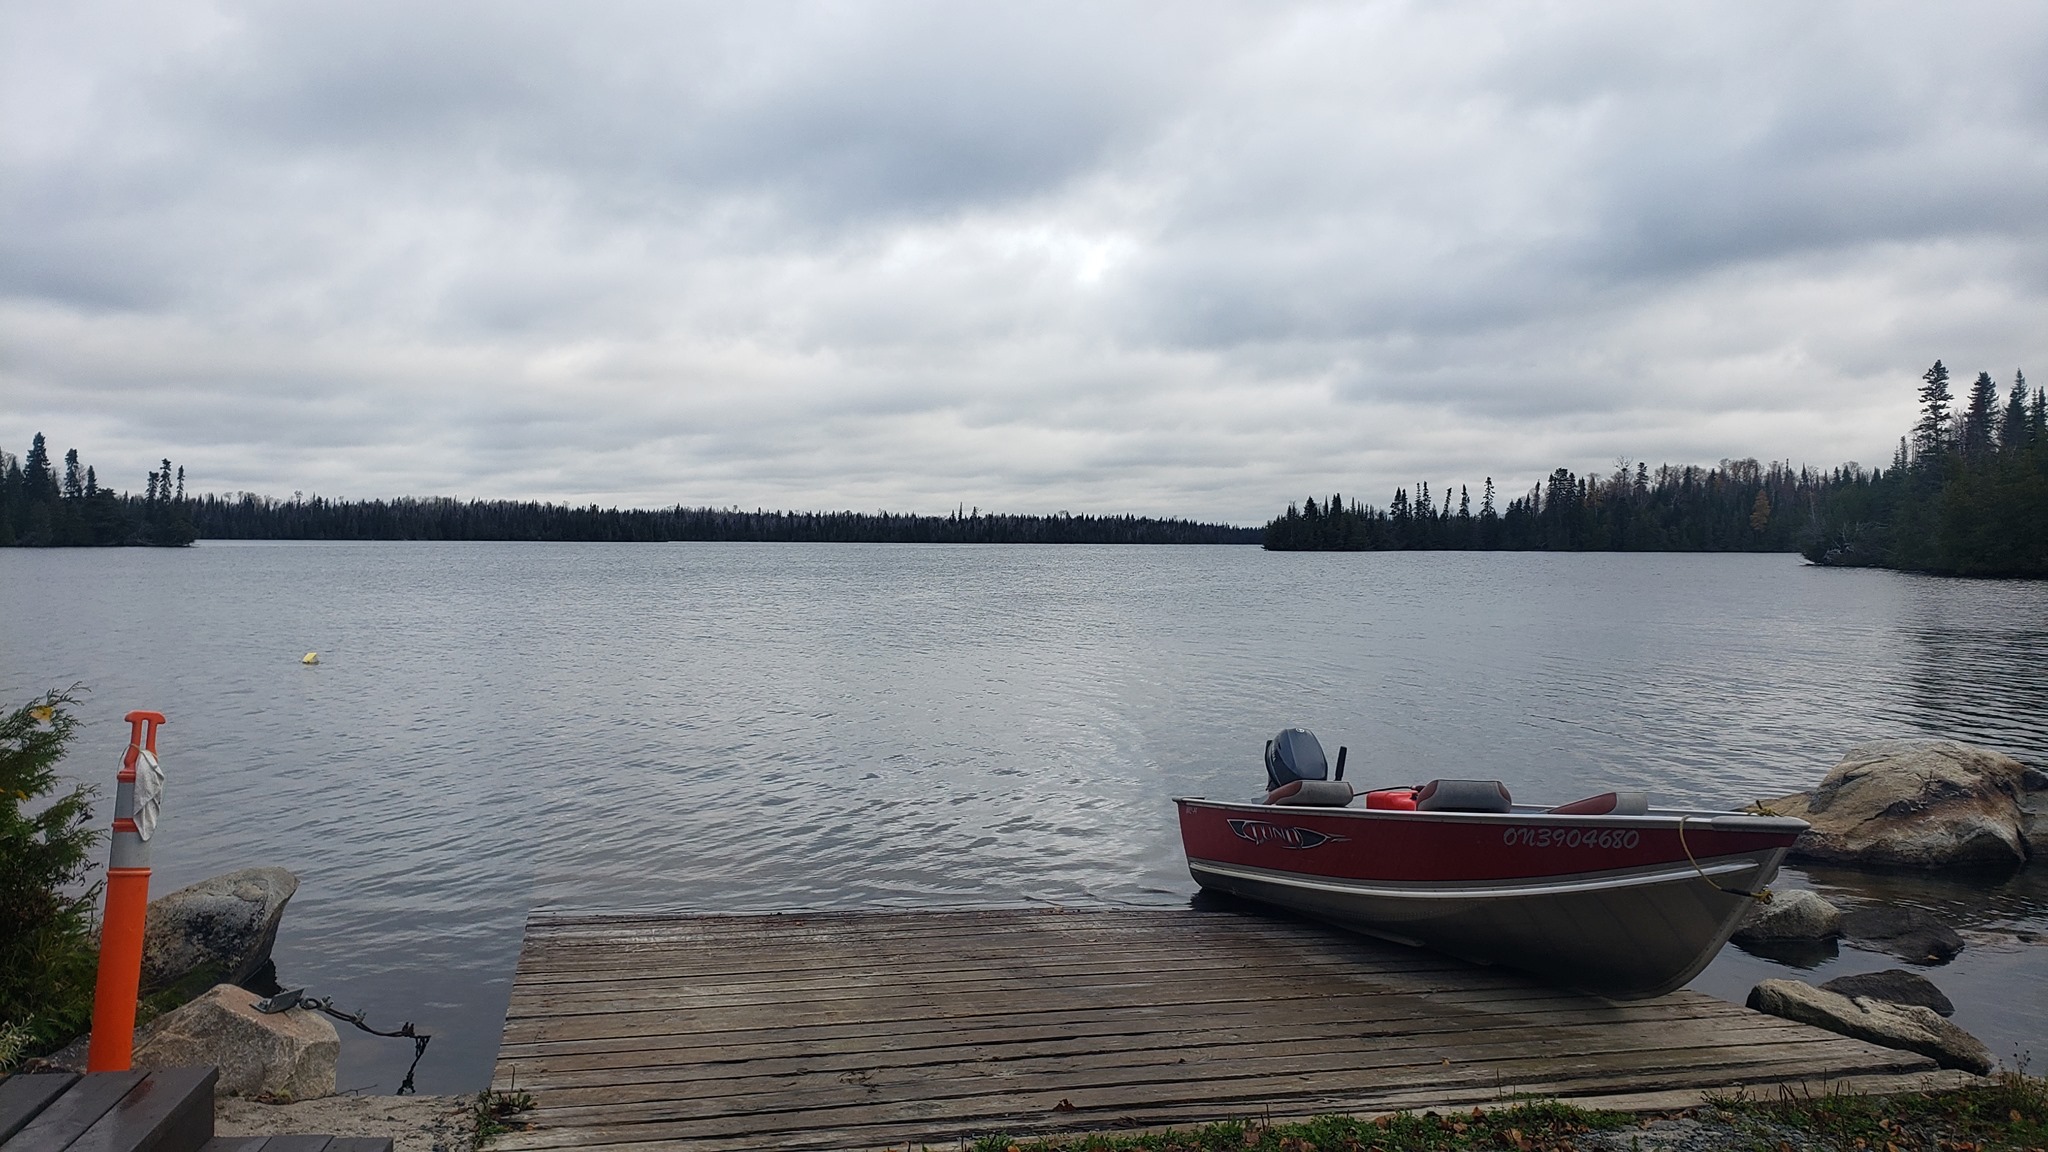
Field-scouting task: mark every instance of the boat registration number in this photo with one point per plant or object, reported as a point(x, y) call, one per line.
point(1571, 837)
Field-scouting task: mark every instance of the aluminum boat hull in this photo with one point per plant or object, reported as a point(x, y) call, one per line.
point(1612, 905)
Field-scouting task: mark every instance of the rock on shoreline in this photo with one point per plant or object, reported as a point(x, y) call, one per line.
point(218, 931)
point(1906, 1026)
point(1917, 804)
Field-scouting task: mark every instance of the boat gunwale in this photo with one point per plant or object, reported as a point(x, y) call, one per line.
point(1523, 814)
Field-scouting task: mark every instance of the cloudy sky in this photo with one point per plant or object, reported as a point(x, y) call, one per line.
point(1167, 258)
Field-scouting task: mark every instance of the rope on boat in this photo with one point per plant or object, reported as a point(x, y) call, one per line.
point(1761, 895)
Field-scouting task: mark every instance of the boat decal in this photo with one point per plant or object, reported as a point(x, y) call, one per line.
point(1260, 832)
point(1526, 837)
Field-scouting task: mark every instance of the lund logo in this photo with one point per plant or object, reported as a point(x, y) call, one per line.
point(1260, 832)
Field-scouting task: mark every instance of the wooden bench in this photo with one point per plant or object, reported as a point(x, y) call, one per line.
point(170, 1110)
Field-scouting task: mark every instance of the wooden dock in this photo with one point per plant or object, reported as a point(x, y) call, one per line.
point(866, 1030)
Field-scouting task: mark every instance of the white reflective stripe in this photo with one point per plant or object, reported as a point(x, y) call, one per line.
point(1473, 890)
point(149, 793)
point(128, 851)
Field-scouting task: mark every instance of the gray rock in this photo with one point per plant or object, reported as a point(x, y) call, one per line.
point(1793, 915)
point(1907, 933)
point(1914, 803)
point(1893, 986)
point(1905, 1026)
point(218, 931)
point(288, 1054)
point(2034, 828)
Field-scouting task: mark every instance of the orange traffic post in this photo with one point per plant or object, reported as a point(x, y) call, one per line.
point(137, 795)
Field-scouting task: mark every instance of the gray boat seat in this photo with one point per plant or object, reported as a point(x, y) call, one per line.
point(1312, 794)
point(1607, 804)
point(1463, 796)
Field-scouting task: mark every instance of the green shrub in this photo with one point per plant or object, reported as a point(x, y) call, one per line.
point(47, 958)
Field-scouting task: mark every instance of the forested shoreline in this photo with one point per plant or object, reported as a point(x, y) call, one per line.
point(1966, 494)
point(41, 506)
point(247, 517)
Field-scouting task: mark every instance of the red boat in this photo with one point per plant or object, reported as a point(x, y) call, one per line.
point(1606, 895)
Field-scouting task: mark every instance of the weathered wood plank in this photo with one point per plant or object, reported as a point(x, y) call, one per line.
point(1083, 1069)
point(170, 1109)
point(79, 1108)
point(907, 1010)
point(1165, 1048)
point(24, 1095)
point(1682, 1021)
point(1028, 1111)
point(871, 1029)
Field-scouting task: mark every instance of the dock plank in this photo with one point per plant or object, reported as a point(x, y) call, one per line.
point(845, 1030)
point(22, 1096)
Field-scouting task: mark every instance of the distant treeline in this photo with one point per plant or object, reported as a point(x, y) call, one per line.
point(40, 507)
point(1967, 494)
point(247, 517)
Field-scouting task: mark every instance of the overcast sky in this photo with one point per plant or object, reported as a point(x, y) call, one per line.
point(1167, 258)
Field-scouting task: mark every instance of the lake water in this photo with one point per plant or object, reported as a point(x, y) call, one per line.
point(495, 728)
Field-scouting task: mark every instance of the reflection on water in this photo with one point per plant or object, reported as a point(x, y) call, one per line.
point(495, 727)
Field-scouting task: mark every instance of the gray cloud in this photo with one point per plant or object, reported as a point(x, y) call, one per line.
point(1169, 258)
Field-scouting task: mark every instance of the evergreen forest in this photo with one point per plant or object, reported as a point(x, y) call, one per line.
point(43, 507)
point(40, 507)
point(1966, 494)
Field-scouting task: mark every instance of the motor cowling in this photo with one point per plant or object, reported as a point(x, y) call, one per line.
point(1295, 754)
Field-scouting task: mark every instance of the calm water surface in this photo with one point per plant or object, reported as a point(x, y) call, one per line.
point(495, 728)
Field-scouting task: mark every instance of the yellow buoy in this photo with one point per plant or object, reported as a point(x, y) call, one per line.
point(310, 658)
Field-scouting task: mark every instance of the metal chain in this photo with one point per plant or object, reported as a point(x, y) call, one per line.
point(297, 998)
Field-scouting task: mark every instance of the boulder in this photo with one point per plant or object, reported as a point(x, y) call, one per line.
point(287, 1054)
point(2034, 827)
point(1906, 1026)
point(1893, 986)
point(218, 931)
point(1914, 803)
point(1907, 933)
point(1794, 915)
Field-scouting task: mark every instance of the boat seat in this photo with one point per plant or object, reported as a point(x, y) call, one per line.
point(1607, 804)
point(1463, 796)
point(1312, 794)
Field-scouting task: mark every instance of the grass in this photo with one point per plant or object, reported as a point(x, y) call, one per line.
point(1533, 1127)
point(2009, 1112)
point(495, 1113)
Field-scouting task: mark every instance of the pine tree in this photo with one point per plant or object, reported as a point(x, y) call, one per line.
point(46, 837)
point(1977, 428)
point(74, 483)
point(2012, 423)
point(1931, 434)
point(42, 482)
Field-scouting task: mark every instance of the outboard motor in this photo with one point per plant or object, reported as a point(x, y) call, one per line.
point(1294, 754)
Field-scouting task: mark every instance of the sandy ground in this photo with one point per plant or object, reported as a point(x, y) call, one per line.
point(415, 1123)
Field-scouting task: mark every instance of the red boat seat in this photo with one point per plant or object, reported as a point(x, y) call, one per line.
point(1312, 794)
point(1607, 804)
point(1463, 796)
